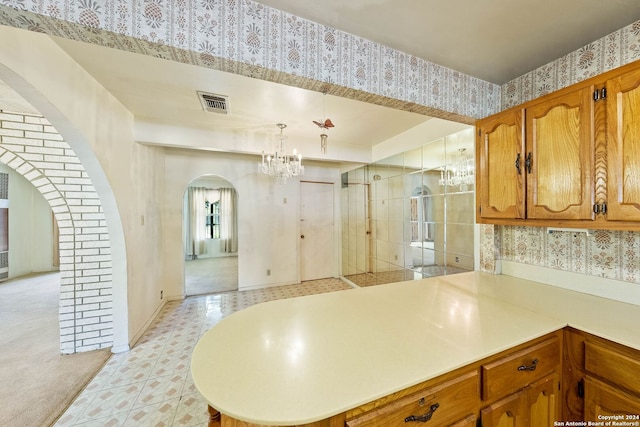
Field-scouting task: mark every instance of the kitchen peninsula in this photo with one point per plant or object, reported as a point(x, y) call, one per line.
point(346, 357)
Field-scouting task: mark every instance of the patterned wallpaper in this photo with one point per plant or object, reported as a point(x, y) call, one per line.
point(248, 38)
point(610, 254)
point(614, 50)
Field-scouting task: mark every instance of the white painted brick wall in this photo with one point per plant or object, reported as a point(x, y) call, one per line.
point(35, 150)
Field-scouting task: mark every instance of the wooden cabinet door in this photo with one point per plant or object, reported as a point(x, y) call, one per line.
point(543, 400)
point(602, 399)
point(500, 149)
point(510, 411)
point(623, 147)
point(560, 146)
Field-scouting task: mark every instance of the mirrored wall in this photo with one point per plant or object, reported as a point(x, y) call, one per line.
point(411, 216)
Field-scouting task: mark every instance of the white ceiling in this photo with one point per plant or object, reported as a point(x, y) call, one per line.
point(496, 40)
point(161, 92)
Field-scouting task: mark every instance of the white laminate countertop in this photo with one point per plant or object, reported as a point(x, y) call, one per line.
point(300, 360)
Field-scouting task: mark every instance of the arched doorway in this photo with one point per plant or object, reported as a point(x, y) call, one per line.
point(210, 236)
point(74, 239)
point(72, 182)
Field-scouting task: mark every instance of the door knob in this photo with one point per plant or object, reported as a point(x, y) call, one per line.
point(302, 236)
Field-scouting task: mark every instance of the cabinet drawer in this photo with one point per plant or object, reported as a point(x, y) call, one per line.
point(612, 366)
point(447, 403)
point(513, 372)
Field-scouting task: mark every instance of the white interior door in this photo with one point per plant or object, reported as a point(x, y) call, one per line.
point(316, 231)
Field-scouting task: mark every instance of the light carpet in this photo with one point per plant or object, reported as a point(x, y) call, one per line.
point(37, 383)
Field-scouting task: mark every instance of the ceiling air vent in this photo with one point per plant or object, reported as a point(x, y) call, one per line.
point(214, 103)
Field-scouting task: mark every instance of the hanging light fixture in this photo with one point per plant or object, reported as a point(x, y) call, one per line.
point(323, 124)
point(281, 165)
point(459, 173)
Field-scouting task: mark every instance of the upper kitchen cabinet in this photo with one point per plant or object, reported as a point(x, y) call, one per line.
point(499, 148)
point(623, 147)
point(559, 157)
point(570, 158)
point(537, 162)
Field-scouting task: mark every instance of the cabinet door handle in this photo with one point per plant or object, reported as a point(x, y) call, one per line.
point(423, 418)
point(581, 388)
point(597, 209)
point(531, 367)
point(528, 162)
point(517, 164)
point(600, 94)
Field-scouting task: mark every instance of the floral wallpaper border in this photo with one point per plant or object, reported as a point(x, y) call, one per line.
point(248, 38)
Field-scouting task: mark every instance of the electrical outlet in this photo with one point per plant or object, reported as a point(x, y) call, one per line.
point(269, 272)
point(457, 259)
point(161, 294)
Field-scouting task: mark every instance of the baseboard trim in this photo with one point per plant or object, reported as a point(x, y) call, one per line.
point(146, 325)
point(266, 285)
point(120, 349)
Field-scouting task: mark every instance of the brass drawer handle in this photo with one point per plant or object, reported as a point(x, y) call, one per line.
point(423, 418)
point(531, 367)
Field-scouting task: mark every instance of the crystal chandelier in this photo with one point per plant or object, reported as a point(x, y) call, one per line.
point(281, 165)
point(458, 173)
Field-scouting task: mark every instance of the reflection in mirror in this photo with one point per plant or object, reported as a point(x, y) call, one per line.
point(401, 221)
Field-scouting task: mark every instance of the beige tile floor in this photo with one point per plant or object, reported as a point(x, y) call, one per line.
point(151, 385)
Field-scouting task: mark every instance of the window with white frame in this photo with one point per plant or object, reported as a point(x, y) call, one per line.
point(212, 221)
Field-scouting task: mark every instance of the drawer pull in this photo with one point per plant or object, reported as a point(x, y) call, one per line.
point(423, 418)
point(531, 367)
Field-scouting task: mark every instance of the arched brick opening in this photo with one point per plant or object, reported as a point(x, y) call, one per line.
point(34, 149)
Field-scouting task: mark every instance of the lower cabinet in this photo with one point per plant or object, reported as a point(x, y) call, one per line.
point(451, 402)
point(523, 386)
point(543, 401)
point(600, 378)
point(521, 368)
point(517, 387)
point(225, 421)
point(565, 376)
point(536, 405)
point(506, 412)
